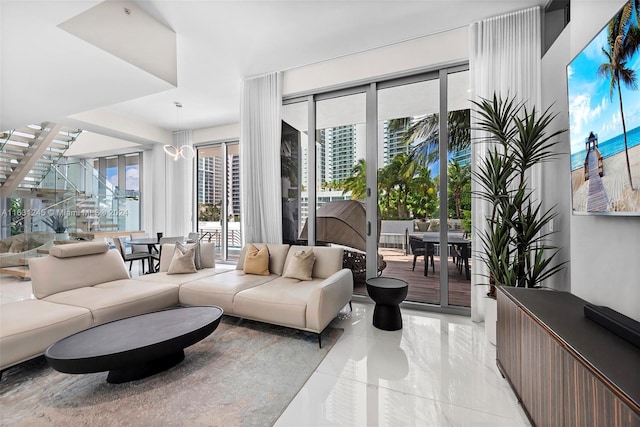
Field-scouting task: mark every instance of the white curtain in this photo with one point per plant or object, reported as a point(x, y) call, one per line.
point(179, 189)
point(505, 53)
point(260, 128)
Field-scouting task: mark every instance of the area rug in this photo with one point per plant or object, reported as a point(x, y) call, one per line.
point(244, 374)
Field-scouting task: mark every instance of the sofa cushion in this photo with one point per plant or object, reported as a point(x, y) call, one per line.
point(220, 289)
point(282, 301)
point(256, 261)
point(328, 260)
point(50, 275)
point(177, 279)
point(28, 327)
point(207, 255)
point(79, 249)
point(183, 260)
point(299, 264)
point(119, 299)
point(277, 256)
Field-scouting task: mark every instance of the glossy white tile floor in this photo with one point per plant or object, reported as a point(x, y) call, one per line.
point(439, 370)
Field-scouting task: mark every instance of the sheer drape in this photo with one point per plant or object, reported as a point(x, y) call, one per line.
point(505, 54)
point(260, 128)
point(179, 189)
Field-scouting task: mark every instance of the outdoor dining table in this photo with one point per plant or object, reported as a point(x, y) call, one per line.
point(464, 244)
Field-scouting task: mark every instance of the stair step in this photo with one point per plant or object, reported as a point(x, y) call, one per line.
point(9, 153)
point(19, 271)
point(59, 144)
point(20, 139)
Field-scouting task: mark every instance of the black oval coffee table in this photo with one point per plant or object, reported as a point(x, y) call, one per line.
point(135, 347)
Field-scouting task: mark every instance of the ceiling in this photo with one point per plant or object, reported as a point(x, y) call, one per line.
point(49, 74)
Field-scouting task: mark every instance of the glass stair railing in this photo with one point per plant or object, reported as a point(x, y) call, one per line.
point(83, 200)
point(27, 154)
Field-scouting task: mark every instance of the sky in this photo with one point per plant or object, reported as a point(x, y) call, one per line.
point(132, 177)
point(590, 106)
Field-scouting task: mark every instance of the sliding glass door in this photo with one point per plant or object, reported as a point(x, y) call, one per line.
point(218, 198)
point(408, 183)
point(379, 145)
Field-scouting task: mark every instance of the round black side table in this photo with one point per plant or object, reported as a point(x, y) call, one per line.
point(387, 293)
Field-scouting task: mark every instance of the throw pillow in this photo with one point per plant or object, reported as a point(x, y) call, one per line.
point(301, 265)
point(197, 259)
point(183, 260)
point(257, 261)
point(17, 246)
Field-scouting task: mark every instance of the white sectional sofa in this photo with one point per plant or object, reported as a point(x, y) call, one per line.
point(86, 284)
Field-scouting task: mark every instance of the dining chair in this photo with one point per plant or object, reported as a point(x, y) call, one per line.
point(130, 257)
point(164, 241)
point(139, 248)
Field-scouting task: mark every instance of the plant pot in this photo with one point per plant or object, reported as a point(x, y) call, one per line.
point(490, 319)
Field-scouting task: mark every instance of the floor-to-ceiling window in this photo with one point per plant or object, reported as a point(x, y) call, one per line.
point(218, 198)
point(422, 181)
point(116, 182)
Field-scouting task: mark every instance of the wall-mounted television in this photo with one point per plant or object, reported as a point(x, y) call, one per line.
point(603, 83)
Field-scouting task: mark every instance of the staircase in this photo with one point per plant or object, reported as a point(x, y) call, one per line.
point(27, 154)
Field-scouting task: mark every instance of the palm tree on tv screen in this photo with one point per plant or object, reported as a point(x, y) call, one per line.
point(623, 41)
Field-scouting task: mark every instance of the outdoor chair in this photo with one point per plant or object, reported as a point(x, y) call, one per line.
point(419, 248)
point(132, 256)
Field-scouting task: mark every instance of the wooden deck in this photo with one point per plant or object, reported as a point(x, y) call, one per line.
point(597, 200)
point(422, 288)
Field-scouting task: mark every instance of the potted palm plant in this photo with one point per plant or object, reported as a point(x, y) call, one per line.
point(515, 242)
point(56, 223)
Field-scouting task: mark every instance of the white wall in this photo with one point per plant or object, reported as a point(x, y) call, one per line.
point(424, 52)
point(217, 133)
point(604, 250)
point(418, 54)
point(556, 175)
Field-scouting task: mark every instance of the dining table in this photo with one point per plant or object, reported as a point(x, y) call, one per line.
point(456, 240)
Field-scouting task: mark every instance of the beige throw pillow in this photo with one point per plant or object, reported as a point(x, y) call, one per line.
point(183, 260)
point(257, 261)
point(301, 265)
point(197, 258)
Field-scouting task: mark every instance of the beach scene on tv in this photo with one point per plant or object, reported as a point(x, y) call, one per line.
point(604, 119)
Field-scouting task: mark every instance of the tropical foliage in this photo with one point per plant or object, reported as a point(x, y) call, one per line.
point(406, 188)
point(423, 136)
point(208, 212)
point(623, 41)
point(56, 223)
point(515, 243)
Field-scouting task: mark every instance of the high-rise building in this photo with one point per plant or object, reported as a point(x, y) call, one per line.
point(234, 185)
point(392, 141)
point(210, 180)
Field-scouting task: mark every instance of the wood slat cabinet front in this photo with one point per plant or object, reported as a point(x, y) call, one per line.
point(541, 374)
point(508, 339)
point(589, 402)
point(556, 385)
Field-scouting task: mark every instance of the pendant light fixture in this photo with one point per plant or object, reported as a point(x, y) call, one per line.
point(185, 151)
